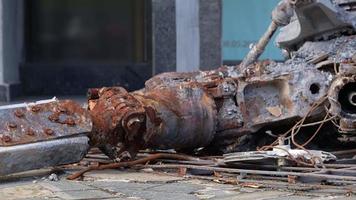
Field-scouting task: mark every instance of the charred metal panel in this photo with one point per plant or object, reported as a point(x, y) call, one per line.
point(42, 154)
point(38, 122)
point(42, 134)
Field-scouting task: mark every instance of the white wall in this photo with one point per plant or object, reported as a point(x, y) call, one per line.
point(188, 36)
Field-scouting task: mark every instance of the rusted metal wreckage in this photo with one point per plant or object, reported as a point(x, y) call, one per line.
point(220, 111)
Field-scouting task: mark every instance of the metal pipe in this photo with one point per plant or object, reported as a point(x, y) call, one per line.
point(259, 48)
point(281, 16)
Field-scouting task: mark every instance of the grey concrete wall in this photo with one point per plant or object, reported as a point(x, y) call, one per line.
point(186, 35)
point(210, 23)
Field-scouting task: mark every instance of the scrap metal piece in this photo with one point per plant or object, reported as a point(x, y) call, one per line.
point(259, 48)
point(37, 155)
point(278, 152)
point(182, 118)
point(33, 122)
point(42, 134)
point(315, 20)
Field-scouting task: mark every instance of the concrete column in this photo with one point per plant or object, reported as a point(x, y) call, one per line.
point(186, 35)
point(11, 47)
point(163, 36)
point(210, 29)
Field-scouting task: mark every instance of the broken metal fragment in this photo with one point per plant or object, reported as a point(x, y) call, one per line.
point(278, 152)
point(31, 140)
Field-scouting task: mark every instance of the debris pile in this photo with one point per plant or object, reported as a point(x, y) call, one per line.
point(247, 169)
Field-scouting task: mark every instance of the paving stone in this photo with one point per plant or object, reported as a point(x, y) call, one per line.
point(123, 189)
point(118, 186)
point(248, 190)
point(27, 191)
point(292, 197)
point(65, 186)
point(261, 195)
point(41, 198)
point(153, 195)
point(186, 188)
point(343, 198)
point(8, 184)
point(169, 191)
point(125, 198)
point(87, 194)
point(215, 193)
point(131, 176)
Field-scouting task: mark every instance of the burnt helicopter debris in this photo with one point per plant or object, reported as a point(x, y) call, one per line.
point(215, 109)
point(222, 110)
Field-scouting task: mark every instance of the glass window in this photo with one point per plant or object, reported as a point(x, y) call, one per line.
point(83, 31)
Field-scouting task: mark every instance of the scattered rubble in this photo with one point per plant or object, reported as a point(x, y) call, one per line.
point(53, 177)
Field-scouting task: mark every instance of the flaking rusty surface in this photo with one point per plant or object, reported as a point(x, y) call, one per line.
point(42, 122)
point(167, 117)
point(116, 116)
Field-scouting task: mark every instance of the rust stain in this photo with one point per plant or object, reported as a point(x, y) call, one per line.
point(11, 125)
point(6, 138)
point(30, 132)
point(19, 113)
point(48, 131)
point(35, 108)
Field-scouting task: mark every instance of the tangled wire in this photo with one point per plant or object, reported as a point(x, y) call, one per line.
point(292, 132)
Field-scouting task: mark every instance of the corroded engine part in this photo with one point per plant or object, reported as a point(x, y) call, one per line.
point(182, 118)
point(42, 134)
point(317, 20)
point(342, 95)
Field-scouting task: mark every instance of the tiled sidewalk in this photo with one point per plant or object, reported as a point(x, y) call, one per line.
point(113, 184)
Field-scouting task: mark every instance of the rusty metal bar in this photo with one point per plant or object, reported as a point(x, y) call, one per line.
point(259, 48)
point(260, 172)
point(42, 134)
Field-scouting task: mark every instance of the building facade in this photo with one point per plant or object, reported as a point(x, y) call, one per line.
point(63, 47)
point(52, 47)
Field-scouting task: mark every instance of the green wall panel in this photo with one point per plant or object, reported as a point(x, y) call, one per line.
point(244, 21)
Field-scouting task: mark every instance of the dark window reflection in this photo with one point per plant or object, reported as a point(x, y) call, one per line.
point(86, 31)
